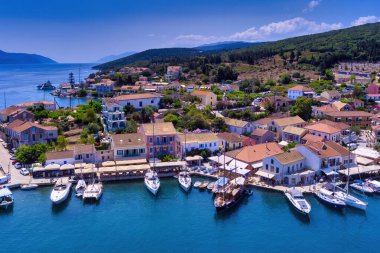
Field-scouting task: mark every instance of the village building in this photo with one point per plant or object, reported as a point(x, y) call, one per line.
point(128, 146)
point(328, 130)
point(352, 118)
point(47, 105)
point(278, 125)
point(173, 72)
point(105, 86)
point(238, 126)
point(278, 102)
point(300, 91)
point(138, 101)
point(232, 141)
point(262, 135)
point(164, 142)
point(331, 95)
point(293, 134)
point(13, 113)
point(113, 115)
point(198, 141)
point(206, 97)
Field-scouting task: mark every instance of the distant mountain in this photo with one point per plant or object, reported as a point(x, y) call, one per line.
point(227, 45)
point(115, 57)
point(150, 55)
point(23, 58)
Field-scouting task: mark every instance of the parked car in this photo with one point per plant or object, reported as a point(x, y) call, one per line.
point(352, 146)
point(14, 162)
point(18, 165)
point(24, 171)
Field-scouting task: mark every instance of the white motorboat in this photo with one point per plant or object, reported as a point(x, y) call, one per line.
point(6, 198)
point(60, 192)
point(328, 197)
point(362, 186)
point(298, 201)
point(184, 180)
point(28, 187)
point(374, 184)
point(93, 191)
point(80, 188)
point(152, 182)
point(197, 184)
point(351, 200)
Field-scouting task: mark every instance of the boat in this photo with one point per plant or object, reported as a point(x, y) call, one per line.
point(328, 198)
point(197, 184)
point(362, 186)
point(220, 184)
point(184, 180)
point(28, 187)
point(203, 185)
point(229, 198)
point(80, 188)
point(210, 186)
point(351, 200)
point(6, 197)
point(298, 201)
point(374, 184)
point(152, 182)
point(60, 191)
point(46, 86)
point(93, 191)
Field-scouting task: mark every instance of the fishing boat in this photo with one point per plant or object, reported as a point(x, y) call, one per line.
point(46, 86)
point(60, 191)
point(80, 188)
point(362, 186)
point(197, 184)
point(327, 197)
point(152, 182)
point(229, 198)
point(210, 186)
point(298, 201)
point(6, 197)
point(374, 184)
point(93, 191)
point(184, 180)
point(203, 185)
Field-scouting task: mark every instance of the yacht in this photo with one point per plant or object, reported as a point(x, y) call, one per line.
point(46, 86)
point(233, 193)
point(6, 197)
point(93, 191)
point(374, 184)
point(362, 186)
point(80, 188)
point(152, 182)
point(184, 180)
point(351, 200)
point(328, 197)
point(60, 192)
point(298, 201)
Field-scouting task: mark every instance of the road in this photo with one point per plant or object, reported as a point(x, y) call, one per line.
point(5, 162)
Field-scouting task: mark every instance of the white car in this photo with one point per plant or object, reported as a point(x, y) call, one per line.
point(18, 166)
point(24, 171)
point(352, 146)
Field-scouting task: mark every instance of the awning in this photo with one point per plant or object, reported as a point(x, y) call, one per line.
point(52, 166)
point(193, 158)
point(67, 167)
point(265, 174)
point(238, 180)
point(329, 172)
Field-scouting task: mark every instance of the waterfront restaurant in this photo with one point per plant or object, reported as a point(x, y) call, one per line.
point(54, 170)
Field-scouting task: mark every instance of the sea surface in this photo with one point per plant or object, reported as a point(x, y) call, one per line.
point(129, 219)
point(18, 82)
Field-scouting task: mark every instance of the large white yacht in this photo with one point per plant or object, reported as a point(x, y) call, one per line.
point(60, 192)
point(93, 191)
point(152, 182)
point(184, 180)
point(298, 201)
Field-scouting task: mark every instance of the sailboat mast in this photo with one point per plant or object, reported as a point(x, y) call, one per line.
point(154, 149)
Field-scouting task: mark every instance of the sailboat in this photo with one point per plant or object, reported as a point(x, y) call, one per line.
point(184, 180)
point(60, 191)
point(298, 201)
point(328, 198)
point(152, 182)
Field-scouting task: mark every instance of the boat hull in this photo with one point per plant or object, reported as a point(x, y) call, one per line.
point(229, 205)
point(330, 203)
point(185, 187)
point(59, 198)
point(28, 187)
point(154, 191)
point(296, 207)
point(6, 205)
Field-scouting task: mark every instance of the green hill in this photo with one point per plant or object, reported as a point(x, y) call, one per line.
point(23, 58)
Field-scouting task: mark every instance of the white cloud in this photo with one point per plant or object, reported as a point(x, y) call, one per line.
point(193, 39)
point(365, 20)
point(312, 5)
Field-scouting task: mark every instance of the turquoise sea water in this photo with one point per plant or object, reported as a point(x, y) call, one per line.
point(129, 219)
point(18, 82)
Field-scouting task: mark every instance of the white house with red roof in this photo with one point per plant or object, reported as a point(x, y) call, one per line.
point(300, 91)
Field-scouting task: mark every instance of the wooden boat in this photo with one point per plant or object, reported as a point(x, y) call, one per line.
point(203, 185)
point(210, 186)
point(197, 184)
point(232, 195)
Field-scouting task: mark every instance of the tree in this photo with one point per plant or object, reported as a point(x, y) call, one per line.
point(285, 78)
point(219, 125)
point(71, 80)
point(30, 154)
point(61, 143)
point(93, 128)
point(131, 127)
point(302, 108)
point(146, 113)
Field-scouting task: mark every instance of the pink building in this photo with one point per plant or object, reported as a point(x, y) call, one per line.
point(165, 139)
point(373, 89)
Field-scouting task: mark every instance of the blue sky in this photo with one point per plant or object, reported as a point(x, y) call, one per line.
point(85, 30)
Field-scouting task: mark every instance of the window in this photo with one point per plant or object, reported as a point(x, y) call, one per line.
point(142, 150)
point(140, 104)
point(171, 148)
point(152, 101)
point(87, 156)
point(150, 150)
point(151, 139)
point(271, 161)
point(119, 152)
point(277, 170)
point(266, 166)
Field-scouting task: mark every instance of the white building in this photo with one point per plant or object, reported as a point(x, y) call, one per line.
point(199, 141)
point(239, 126)
point(300, 91)
point(138, 101)
point(113, 114)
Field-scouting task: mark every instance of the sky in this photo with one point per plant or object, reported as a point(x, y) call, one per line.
point(71, 31)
